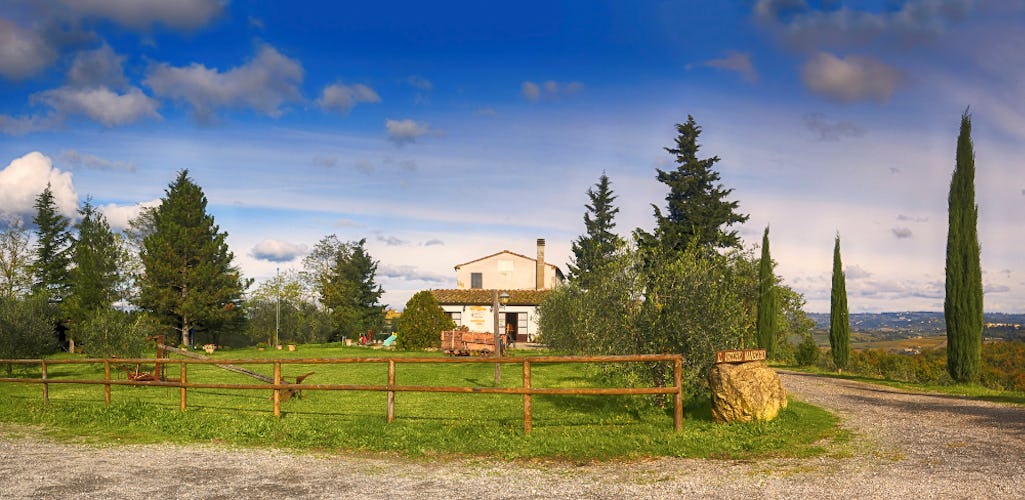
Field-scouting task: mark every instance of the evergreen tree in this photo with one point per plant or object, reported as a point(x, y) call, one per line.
point(422, 322)
point(697, 210)
point(839, 322)
point(50, 270)
point(767, 307)
point(962, 307)
point(190, 281)
point(593, 250)
point(349, 289)
point(94, 276)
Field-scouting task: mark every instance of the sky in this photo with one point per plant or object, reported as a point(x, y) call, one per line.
point(442, 132)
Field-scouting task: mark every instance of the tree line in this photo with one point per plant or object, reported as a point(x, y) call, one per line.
point(169, 274)
point(690, 286)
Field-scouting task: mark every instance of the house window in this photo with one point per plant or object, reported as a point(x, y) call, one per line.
point(476, 280)
point(456, 317)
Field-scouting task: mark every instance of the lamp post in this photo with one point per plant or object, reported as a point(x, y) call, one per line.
point(504, 298)
point(277, 306)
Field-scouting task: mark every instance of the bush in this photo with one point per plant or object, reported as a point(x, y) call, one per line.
point(26, 328)
point(807, 352)
point(422, 322)
point(110, 333)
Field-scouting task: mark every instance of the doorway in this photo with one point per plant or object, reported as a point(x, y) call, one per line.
point(512, 328)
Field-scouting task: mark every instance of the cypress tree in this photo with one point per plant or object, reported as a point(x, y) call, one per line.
point(190, 281)
point(962, 306)
point(767, 308)
point(593, 250)
point(839, 321)
point(697, 211)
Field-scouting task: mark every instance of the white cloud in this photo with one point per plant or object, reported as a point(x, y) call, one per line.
point(21, 125)
point(325, 161)
point(410, 273)
point(77, 159)
point(811, 28)
point(419, 82)
point(342, 98)
point(118, 216)
point(856, 272)
point(23, 53)
point(406, 131)
point(97, 68)
point(141, 14)
point(100, 104)
point(737, 62)
point(551, 89)
point(264, 84)
point(902, 233)
point(278, 251)
point(391, 241)
point(850, 79)
point(826, 130)
point(23, 179)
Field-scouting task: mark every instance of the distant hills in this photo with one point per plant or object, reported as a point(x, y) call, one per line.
point(896, 325)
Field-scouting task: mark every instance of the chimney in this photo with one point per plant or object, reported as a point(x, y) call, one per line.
point(540, 276)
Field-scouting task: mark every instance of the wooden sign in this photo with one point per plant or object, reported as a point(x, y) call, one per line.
point(739, 356)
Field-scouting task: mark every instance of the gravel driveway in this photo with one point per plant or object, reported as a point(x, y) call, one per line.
point(906, 446)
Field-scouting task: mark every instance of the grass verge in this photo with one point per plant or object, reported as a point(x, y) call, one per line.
point(575, 428)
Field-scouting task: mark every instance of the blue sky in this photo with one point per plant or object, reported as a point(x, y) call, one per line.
point(445, 131)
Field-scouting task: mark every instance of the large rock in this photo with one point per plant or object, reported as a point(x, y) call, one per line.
point(743, 392)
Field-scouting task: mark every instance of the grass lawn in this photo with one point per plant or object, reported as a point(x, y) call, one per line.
point(426, 424)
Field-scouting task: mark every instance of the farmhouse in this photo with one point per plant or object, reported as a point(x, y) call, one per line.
point(524, 279)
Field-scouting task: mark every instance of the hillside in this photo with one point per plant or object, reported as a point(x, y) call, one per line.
point(908, 324)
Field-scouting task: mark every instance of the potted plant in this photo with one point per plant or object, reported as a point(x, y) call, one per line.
point(261, 346)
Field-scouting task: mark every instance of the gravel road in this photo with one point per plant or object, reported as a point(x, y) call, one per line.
point(907, 445)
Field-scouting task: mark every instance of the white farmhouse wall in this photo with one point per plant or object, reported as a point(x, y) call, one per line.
point(505, 271)
point(482, 318)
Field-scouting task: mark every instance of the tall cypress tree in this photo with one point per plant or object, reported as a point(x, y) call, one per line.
point(53, 241)
point(94, 277)
point(594, 249)
point(697, 210)
point(962, 307)
point(767, 308)
point(190, 281)
point(839, 321)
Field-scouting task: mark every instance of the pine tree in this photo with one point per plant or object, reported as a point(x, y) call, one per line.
point(189, 281)
point(839, 322)
point(94, 276)
point(50, 270)
point(697, 210)
point(767, 307)
point(349, 289)
point(962, 307)
point(593, 250)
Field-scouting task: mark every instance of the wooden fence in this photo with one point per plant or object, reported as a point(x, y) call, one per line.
point(391, 388)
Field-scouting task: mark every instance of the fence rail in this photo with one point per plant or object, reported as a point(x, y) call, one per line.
point(278, 385)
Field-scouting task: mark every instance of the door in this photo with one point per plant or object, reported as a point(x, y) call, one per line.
point(512, 330)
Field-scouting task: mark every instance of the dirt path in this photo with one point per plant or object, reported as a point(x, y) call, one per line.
point(907, 446)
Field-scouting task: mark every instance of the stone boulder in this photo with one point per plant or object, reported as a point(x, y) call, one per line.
point(743, 392)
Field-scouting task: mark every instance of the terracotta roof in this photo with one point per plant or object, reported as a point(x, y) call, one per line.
point(485, 297)
point(510, 253)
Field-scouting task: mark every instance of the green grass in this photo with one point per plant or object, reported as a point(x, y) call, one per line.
point(578, 428)
point(972, 391)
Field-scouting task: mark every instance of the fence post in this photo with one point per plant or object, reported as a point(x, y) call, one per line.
point(182, 382)
point(277, 392)
point(678, 380)
point(46, 387)
point(106, 377)
point(391, 394)
point(526, 398)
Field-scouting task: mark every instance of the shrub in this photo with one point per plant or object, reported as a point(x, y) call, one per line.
point(109, 333)
point(26, 330)
point(807, 352)
point(422, 322)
